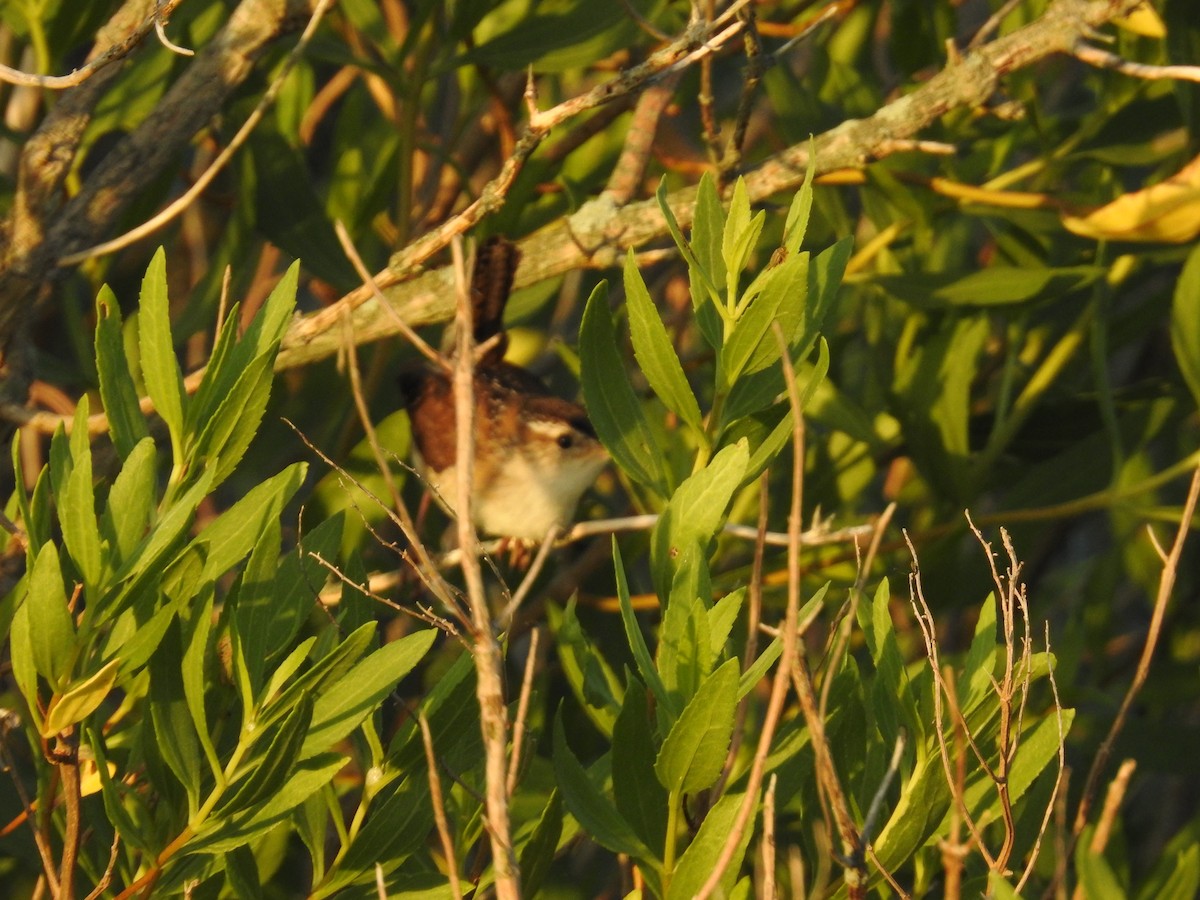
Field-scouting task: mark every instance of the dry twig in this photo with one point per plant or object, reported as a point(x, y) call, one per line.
point(1166, 583)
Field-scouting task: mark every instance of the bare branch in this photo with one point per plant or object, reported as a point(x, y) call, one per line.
point(154, 21)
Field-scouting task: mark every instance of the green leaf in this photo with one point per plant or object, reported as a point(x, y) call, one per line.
point(696, 511)
point(924, 799)
point(722, 617)
point(738, 238)
point(696, 863)
point(51, 631)
point(176, 737)
point(934, 387)
point(652, 346)
point(1185, 323)
point(307, 778)
point(758, 669)
point(131, 500)
point(271, 768)
point(611, 403)
point(993, 286)
point(126, 424)
point(77, 505)
point(325, 671)
point(767, 447)
point(706, 267)
point(561, 36)
point(241, 874)
point(640, 798)
point(80, 700)
point(251, 601)
point(232, 427)
point(685, 656)
point(889, 692)
point(235, 532)
point(345, 704)
point(160, 369)
point(195, 654)
point(291, 215)
point(708, 229)
point(165, 534)
point(599, 818)
point(693, 753)
point(297, 581)
point(633, 632)
point(538, 852)
point(587, 672)
point(704, 282)
point(1096, 876)
point(753, 346)
point(798, 213)
point(1183, 882)
point(399, 824)
point(975, 682)
point(24, 669)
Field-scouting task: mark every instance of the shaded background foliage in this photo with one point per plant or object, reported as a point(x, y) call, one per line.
point(982, 354)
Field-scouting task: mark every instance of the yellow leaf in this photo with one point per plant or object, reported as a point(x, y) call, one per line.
point(1144, 21)
point(89, 776)
point(1168, 212)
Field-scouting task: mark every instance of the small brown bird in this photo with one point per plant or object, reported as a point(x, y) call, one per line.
point(535, 453)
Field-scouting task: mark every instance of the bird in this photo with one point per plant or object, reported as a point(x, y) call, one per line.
point(535, 453)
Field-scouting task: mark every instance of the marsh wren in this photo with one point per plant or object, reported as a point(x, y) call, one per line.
point(535, 453)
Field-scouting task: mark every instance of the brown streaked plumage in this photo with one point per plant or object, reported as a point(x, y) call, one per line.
point(535, 453)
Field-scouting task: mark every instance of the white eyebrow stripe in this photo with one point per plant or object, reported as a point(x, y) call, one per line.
point(550, 427)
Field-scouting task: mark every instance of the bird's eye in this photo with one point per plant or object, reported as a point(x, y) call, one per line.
point(566, 441)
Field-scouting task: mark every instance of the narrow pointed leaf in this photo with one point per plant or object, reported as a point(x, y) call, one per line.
point(694, 751)
point(652, 346)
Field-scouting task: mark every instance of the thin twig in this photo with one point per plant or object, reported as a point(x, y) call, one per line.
point(439, 808)
point(418, 342)
point(489, 686)
point(850, 615)
point(1102, 59)
point(925, 622)
point(518, 737)
point(526, 585)
point(160, 30)
point(1060, 779)
point(106, 878)
point(768, 840)
point(789, 655)
point(423, 565)
point(754, 70)
point(174, 209)
point(1165, 585)
point(9, 722)
point(84, 72)
point(426, 569)
point(876, 806)
point(630, 167)
point(424, 615)
point(992, 23)
point(753, 620)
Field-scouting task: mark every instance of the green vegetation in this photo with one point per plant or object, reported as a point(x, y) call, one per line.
point(858, 287)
